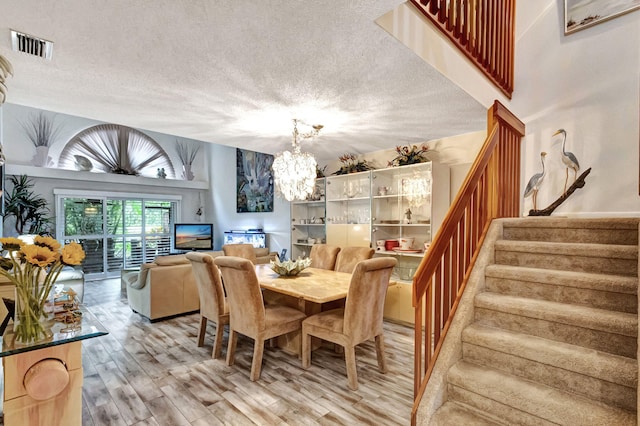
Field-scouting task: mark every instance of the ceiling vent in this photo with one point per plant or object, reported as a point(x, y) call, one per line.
point(31, 45)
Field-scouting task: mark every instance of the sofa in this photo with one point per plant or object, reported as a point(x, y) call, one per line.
point(166, 287)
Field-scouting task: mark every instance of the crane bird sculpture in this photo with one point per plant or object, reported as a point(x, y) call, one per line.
point(568, 159)
point(535, 181)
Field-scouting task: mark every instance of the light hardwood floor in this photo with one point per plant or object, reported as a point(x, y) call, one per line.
point(146, 373)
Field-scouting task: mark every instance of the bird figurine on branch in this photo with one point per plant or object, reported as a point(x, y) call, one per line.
point(569, 160)
point(535, 181)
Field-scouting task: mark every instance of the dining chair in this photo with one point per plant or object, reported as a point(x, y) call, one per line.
point(323, 256)
point(245, 251)
point(248, 314)
point(213, 303)
point(360, 319)
point(348, 257)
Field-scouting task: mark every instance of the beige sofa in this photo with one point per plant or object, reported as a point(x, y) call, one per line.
point(167, 287)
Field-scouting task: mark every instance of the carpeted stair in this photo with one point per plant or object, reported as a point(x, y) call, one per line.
point(555, 334)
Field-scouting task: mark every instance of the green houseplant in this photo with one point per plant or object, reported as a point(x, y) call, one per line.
point(351, 164)
point(29, 209)
point(410, 154)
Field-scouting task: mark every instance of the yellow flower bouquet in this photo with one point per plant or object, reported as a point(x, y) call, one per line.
point(34, 269)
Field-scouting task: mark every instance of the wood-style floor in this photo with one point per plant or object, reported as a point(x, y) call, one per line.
point(146, 373)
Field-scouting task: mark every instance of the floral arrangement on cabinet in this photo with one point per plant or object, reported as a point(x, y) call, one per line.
point(351, 164)
point(410, 154)
point(34, 269)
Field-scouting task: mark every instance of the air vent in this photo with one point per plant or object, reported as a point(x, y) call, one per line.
point(31, 45)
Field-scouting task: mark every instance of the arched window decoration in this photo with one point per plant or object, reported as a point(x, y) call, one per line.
point(111, 148)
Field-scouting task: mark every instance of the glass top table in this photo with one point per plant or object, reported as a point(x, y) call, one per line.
point(87, 328)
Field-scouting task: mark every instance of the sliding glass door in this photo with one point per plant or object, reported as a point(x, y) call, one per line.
point(116, 232)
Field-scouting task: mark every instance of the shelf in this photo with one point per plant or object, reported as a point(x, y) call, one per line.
point(308, 224)
point(306, 203)
point(349, 199)
point(402, 224)
point(397, 253)
point(52, 173)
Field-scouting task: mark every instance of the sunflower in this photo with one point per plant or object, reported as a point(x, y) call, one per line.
point(11, 243)
point(72, 254)
point(49, 242)
point(38, 256)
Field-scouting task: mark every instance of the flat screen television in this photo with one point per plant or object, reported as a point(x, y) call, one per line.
point(193, 236)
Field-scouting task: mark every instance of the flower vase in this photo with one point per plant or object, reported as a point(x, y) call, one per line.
point(187, 174)
point(31, 323)
point(42, 158)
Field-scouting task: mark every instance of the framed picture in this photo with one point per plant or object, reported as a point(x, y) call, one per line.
point(254, 181)
point(581, 14)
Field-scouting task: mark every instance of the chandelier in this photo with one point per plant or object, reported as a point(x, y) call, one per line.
point(417, 189)
point(294, 172)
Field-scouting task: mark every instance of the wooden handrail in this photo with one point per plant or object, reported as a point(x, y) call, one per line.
point(483, 30)
point(490, 190)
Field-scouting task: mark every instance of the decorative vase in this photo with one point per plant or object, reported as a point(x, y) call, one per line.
point(187, 174)
point(31, 323)
point(42, 159)
point(34, 268)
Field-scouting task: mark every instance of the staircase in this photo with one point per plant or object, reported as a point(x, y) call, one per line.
point(554, 334)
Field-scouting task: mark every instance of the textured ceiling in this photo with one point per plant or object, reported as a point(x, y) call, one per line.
point(235, 72)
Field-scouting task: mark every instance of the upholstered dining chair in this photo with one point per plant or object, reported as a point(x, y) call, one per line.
point(248, 314)
point(348, 257)
point(360, 319)
point(323, 256)
point(213, 303)
point(240, 250)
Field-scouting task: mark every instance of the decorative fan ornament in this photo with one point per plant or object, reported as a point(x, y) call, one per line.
point(112, 148)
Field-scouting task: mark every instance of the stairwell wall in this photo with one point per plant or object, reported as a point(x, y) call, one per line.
point(587, 83)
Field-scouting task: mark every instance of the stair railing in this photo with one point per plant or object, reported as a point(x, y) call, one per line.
point(483, 30)
point(490, 190)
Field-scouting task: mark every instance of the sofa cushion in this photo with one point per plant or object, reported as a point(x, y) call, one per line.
point(170, 260)
point(260, 252)
point(138, 279)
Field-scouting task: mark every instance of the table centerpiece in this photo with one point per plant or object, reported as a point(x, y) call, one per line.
point(33, 269)
point(290, 267)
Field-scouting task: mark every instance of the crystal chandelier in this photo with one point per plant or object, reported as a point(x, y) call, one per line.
point(294, 172)
point(417, 189)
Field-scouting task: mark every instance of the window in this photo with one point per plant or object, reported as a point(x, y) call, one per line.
point(116, 231)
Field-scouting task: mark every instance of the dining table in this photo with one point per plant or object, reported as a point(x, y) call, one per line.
point(308, 291)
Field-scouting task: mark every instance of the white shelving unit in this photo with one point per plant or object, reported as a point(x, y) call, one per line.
point(401, 207)
point(308, 222)
point(359, 209)
point(349, 210)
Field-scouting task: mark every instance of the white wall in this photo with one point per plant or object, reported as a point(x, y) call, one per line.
point(456, 152)
point(589, 84)
point(222, 167)
point(19, 151)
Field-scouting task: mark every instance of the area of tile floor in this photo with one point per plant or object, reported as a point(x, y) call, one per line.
point(146, 373)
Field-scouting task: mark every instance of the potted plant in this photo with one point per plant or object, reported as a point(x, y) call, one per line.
point(351, 164)
point(28, 208)
point(42, 132)
point(187, 157)
point(410, 155)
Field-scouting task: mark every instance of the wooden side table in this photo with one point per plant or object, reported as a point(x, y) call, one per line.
point(43, 381)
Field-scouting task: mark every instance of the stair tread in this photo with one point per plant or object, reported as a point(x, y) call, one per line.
point(535, 399)
point(575, 249)
point(587, 280)
point(601, 365)
point(630, 223)
point(597, 319)
point(454, 414)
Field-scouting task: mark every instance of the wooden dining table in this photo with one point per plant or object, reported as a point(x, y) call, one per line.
point(308, 292)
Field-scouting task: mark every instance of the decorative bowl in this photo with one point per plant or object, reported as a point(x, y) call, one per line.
point(290, 267)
